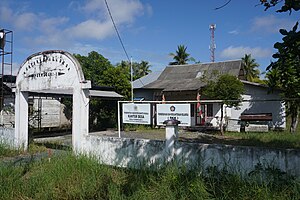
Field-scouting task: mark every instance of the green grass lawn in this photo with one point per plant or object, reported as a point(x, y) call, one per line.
point(71, 177)
point(270, 139)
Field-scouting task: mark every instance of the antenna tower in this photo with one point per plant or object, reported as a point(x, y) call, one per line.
point(212, 45)
point(6, 51)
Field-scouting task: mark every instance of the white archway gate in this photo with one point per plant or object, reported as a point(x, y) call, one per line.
point(52, 72)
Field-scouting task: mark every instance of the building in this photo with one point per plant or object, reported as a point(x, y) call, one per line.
point(184, 83)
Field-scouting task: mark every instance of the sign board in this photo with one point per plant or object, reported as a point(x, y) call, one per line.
point(180, 112)
point(49, 70)
point(136, 113)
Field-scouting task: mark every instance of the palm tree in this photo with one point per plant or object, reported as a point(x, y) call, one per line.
point(144, 68)
point(181, 56)
point(250, 68)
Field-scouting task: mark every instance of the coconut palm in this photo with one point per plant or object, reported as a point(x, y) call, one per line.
point(250, 68)
point(181, 57)
point(144, 68)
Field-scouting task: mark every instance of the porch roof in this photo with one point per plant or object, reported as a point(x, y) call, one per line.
point(93, 93)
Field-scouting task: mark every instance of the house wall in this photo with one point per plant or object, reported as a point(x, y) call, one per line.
point(147, 94)
point(254, 93)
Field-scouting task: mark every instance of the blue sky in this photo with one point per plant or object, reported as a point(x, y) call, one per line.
point(150, 29)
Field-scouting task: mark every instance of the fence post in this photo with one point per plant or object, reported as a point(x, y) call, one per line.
point(171, 135)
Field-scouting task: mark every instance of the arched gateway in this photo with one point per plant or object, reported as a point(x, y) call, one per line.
point(56, 72)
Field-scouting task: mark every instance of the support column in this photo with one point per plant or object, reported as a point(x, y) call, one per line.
point(80, 121)
point(21, 120)
point(171, 135)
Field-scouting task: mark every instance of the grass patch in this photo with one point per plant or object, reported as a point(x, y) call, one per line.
point(71, 177)
point(7, 151)
point(270, 139)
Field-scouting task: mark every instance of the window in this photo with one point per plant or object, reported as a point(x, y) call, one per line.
point(209, 110)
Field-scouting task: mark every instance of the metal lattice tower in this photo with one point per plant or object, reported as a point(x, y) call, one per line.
point(212, 45)
point(6, 53)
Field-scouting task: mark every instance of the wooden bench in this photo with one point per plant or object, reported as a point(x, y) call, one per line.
point(256, 117)
point(247, 118)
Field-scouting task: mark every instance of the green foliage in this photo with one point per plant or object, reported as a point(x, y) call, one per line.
point(285, 72)
point(138, 69)
point(119, 79)
point(141, 69)
point(181, 57)
point(93, 67)
point(288, 5)
point(226, 87)
point(102, 73)
point(6, 150)
point(250, 68)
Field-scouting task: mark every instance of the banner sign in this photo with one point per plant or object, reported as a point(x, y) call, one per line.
point(136, 113)
point(180, 112)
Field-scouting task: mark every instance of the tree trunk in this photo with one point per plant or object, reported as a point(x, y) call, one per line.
point(294, 122)
point(221, 122)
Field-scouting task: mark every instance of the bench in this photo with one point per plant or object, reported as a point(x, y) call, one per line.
point(247, 117)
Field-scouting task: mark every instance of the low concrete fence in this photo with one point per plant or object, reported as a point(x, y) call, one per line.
point(7, 136)
point(140, 153)
point(125, 152)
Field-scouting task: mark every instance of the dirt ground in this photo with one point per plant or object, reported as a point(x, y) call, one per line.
point(156, 134)
point(186, 136)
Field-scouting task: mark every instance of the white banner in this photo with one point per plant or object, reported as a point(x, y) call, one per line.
point(136, 113)
point(180, 112)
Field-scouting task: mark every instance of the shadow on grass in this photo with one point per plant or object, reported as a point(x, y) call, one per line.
point(57, 146)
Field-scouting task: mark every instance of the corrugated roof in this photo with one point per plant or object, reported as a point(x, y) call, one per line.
point(187, 77)
point(93, 93)
point(149, 78)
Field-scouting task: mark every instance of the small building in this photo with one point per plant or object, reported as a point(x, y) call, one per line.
point(184, 83)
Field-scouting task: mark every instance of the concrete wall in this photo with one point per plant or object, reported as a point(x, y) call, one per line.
point(135, 152)
point(7, 136)
point(52, 113)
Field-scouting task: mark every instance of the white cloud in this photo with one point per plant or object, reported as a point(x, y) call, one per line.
point(91, 29)
point(49, 25)
point(100, 27)
point(57, 31)
point(232, 52)
point(25, 21)
point(234, 32)
point(123, 11)
point(5, 14)
point(20, 21)
point(270, 24)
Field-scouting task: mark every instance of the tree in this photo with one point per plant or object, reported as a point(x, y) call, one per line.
point(250, 68)
point(227, 88)
point(288, 5)
point(138, 69)
point(285, 72)
point(143, 69)
point(93, 66)
point(181, 57)
point(102, 73)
